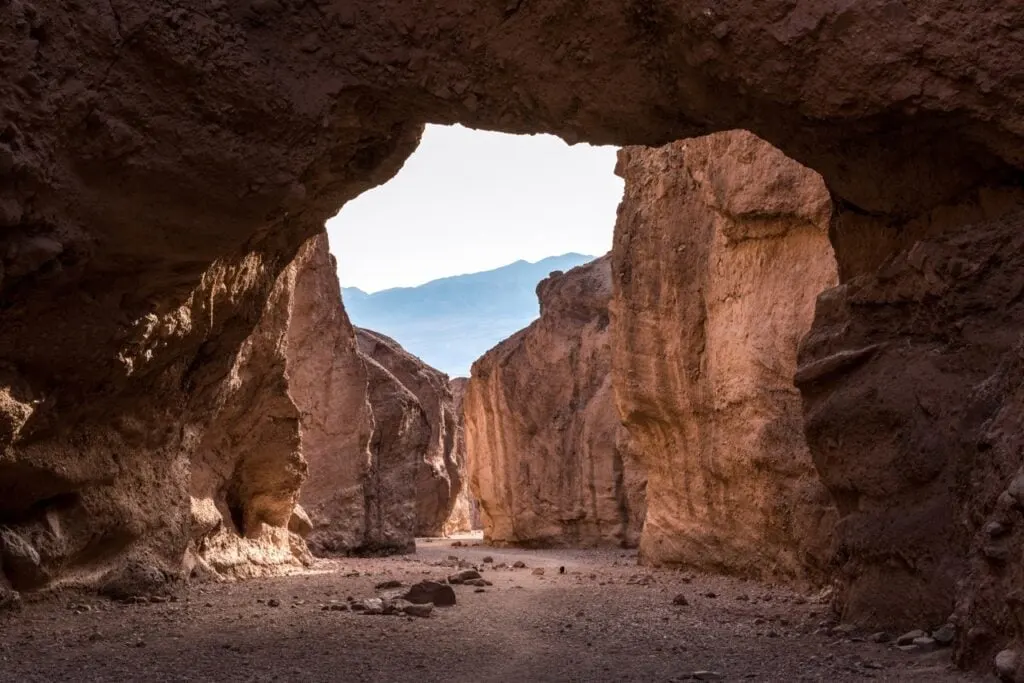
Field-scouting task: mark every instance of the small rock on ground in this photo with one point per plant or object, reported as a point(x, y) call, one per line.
point(908, 637)
point(439, 594)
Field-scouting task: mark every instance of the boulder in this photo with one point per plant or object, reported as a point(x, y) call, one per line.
point(424, 592)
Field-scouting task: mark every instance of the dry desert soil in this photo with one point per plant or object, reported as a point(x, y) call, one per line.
point(604, 619)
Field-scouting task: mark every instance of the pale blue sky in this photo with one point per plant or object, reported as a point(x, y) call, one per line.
point(468, 201)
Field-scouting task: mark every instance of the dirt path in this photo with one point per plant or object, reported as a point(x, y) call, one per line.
point(603, 620)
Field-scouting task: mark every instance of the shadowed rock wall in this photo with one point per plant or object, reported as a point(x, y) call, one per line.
point(432, 446)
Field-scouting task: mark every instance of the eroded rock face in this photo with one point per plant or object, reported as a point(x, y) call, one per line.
point(329, 384)
point(721, 247)
point(247, 469)
point(465, 515)
point(549, 462)
point(162, 162)
point(426, 426)
point(912, 386)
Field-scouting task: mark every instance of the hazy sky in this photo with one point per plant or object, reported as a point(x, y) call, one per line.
point(470, 200)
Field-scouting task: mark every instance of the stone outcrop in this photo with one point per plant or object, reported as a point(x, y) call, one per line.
point(416, 420)
point(721, 247)
point(549, 462)
point(911, 377)
point(465, 515)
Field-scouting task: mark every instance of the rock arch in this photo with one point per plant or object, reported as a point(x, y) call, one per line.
point(161, 162)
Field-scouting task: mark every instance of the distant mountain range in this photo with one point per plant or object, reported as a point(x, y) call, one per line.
point(451, 322)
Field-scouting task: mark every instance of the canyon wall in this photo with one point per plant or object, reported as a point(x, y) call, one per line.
point(162, 162)
point(549, 462)
point(430, 431)
point(721, 247)
point(465, 515)
point(912, 386)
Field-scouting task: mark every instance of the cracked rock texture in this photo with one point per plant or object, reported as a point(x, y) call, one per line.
point(721, 247)
point(426, 427)
point(549, 462)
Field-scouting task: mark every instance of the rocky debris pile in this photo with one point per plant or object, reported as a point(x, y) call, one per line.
point(417, 600)
point(549, 461)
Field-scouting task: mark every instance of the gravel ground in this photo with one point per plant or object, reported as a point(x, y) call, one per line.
point(604, 619)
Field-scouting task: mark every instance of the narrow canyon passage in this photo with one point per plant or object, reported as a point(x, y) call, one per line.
point(802, 362)
point(603, 620)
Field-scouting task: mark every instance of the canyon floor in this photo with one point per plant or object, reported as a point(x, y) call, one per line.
point(604, 619)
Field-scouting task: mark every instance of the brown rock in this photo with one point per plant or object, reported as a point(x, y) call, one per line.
point(464, 576)
point(437, 475)
point(912, 381)
point(720, 250)
point(465, 515)
point(549, 462)
point(440, 594)
point(399, 440)
point(424, 610)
